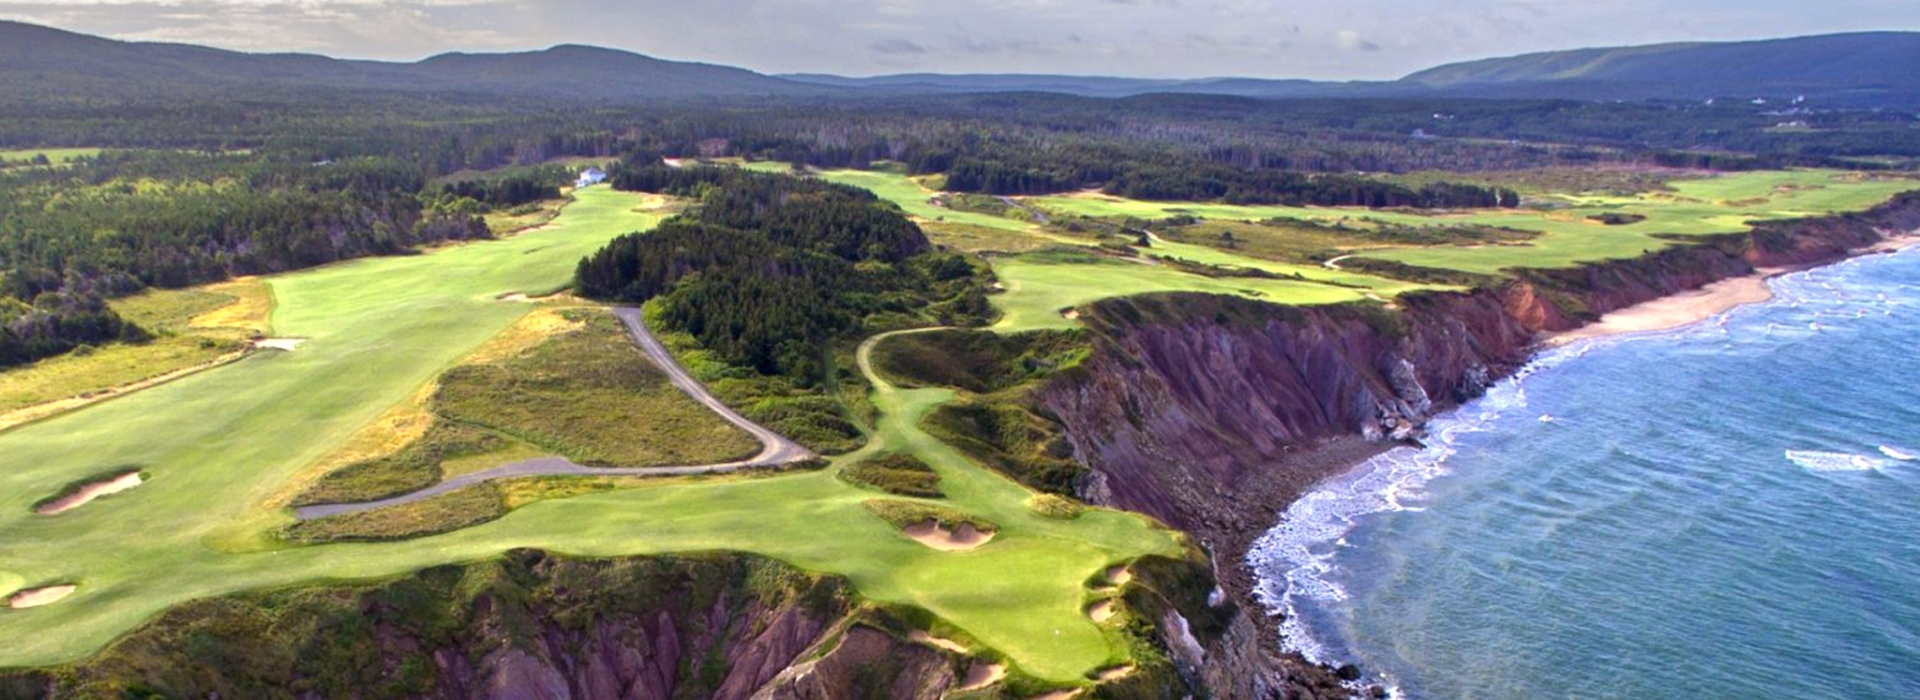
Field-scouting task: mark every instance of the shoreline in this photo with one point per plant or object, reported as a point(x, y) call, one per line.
point(1660, 315)
point(1677, 311)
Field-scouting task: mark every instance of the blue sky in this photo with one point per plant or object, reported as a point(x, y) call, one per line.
point(1325, 39)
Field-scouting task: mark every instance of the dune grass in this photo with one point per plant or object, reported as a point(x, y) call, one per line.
point(219, 443)
point(191, 327)
point(587, 394)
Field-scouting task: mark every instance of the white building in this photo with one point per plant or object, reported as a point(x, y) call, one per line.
point(590, 176)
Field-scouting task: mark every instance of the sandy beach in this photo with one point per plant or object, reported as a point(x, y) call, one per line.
point(1687, 308)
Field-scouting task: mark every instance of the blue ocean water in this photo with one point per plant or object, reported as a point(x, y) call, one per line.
point(1724, 511)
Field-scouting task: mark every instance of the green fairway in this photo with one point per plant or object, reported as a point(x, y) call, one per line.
point(1722, 204)
point(1040, 286)
point(216, 444)
point(56, 156)
point(913, 198)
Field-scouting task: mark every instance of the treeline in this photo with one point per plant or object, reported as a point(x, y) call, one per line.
point(769, 268)
point(71, 238)
point(57, 322)
point(522, 186)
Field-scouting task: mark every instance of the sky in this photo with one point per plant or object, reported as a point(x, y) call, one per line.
point(1319, 39)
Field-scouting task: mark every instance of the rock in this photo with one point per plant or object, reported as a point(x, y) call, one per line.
point(1347, 672)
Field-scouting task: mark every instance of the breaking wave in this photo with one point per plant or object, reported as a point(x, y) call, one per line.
point(1294, 560)
point(1835, 461)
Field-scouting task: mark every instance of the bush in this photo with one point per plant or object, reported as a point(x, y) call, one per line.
point(898, 474)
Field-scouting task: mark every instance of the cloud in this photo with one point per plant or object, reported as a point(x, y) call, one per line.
point(1340, 39)
point(896, 47)
point(1351, 40)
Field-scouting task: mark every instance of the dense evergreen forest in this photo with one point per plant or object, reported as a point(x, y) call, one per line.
point(122, 222)
point(767, 268)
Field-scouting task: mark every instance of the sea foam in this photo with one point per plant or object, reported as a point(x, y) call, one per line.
point(1815, 461)
point(1897, 453)
point(1294, 560)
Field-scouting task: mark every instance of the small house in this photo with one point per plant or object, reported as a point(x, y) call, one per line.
point(589, 177)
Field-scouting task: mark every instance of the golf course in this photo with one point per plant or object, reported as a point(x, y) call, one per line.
point(218, 449)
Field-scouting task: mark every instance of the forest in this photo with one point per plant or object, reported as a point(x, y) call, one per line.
point(128, 221)
point(768, 268)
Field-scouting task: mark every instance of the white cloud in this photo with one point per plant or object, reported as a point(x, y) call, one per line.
point(1156, 38)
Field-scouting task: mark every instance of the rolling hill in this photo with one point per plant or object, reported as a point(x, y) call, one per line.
point(47, 62)
point(1859, 65)
point(1864, 69)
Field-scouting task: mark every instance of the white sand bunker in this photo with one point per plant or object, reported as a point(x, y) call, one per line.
point(524, 298)
point(923, 637)
point(87, 493)
point(1067, 694)
point(37, 597)
point(1101, 611)
point(1070, 314)
point(286, 344)
point(1114, 673)
point(931, 534)
point(981, 675)
point(1119, 575)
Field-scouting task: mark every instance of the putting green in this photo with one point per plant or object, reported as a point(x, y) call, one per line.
point(218, 444)
point(1039, 287)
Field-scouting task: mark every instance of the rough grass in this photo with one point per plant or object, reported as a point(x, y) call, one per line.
point(191, 327)
point(977, 361)
point(443, 513)
point(587, 393)
point(414, 467)
point(1002, 432)
point(904, 514)
point(898, 474)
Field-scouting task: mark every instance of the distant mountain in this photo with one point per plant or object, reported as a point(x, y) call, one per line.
point(1083, 85)
point(42, 60)
point(1866, 69)
point(1856, 65)
point(1872, 68)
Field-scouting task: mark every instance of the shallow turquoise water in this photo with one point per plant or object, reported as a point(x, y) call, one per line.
point(1719, 512)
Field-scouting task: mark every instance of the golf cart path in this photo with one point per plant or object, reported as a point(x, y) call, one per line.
point(775, 449)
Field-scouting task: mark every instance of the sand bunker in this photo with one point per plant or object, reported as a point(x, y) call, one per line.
point(1119, 575)
point(37, 597)
point(981, 675)
point(1067, 694)
point(87, 493)
point(1115, 673)
point(1070, 314)
point(932, 535)
point(1101, 611)
point(524, 298)
point(287, 344)
point(923, 637)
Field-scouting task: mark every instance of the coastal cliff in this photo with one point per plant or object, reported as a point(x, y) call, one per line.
point(1215, 413)
point(527, 626)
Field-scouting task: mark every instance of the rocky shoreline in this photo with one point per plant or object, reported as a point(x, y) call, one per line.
point(1215, 414)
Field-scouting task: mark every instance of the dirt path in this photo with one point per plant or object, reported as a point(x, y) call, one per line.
point(775, 449)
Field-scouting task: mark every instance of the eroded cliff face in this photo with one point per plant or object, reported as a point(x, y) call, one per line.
point(1558, 300)
point(527, 627)
point(1213, 414)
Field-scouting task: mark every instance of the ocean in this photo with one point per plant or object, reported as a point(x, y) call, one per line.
point(1729, 510)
